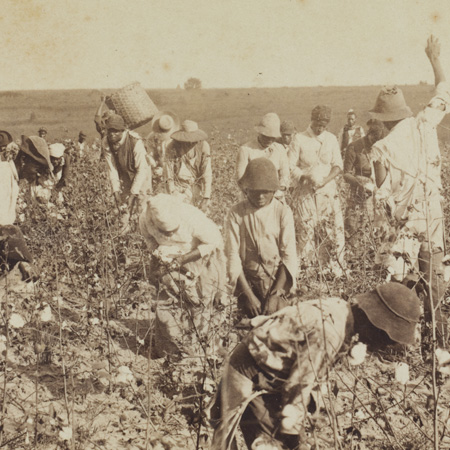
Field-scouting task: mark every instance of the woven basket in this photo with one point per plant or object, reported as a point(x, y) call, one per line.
point(134, 105)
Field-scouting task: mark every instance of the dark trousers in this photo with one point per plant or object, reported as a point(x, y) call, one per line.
point(261, 418)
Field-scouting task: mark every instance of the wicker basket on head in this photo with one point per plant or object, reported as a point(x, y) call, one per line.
point(134, 105)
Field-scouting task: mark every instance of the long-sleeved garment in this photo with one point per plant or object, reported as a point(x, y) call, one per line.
point(275, 152)
point(315, 156)
point(196, 231)
point(286, 355)
point(411, 194)
point(258, 240)
point(127, 163)
point(190, 175)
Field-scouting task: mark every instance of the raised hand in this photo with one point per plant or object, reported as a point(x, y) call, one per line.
point(433, 48)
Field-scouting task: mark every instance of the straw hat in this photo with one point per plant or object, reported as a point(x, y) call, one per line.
point(161, 211)
point(269, 126)
point(42, 129)
point(56, 150)
point(189, 132)
point(390, 105)
point(394, 308)
point(165, 122)
point(260, 175)
point(37, 148)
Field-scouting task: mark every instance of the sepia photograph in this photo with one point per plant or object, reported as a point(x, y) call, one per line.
point(223, 225)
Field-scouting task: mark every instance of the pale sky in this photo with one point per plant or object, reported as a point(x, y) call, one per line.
point(226, 43)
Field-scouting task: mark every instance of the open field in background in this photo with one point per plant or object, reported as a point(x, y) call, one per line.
point(67, 379)
point(231, 111)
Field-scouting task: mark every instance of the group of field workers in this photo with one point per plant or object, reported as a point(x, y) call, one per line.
point(46, 170)
point(288, 217)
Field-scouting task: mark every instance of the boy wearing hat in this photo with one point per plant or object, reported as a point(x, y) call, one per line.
point(260, 242)
point(315, 162)
point(128, 170)
point(265, 145)
point(272, 374)
point(188, 165)
point(350, 132)
point(407, 166)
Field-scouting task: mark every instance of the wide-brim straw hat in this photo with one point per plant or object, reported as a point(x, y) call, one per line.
point(165, 122)
point(189, 132)
point(269, 126)
point(37, 148)
point(394, 308)
point(390, 105)
point(260, 175)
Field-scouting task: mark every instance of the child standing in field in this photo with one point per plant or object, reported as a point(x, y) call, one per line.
point(260, 242)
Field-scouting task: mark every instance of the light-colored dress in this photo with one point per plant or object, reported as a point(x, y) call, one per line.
point(315, 156)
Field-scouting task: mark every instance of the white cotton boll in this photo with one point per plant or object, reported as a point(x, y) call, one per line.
point(94, 321)
point(291, 411)
point(16, 321)
point(402, 373)
point(46, 314)
point(65, 434)
point(124, 375)
point(357, 354)
point(442, 356)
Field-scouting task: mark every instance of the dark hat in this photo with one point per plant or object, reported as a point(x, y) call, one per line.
point(287, 127)
point(390, 105)
point(37, 148)
point(189, 132)
point(42, 129)
point(115, 122)
point(260, 175)
point(394, 308)
point(321, 113)
point(81, 134)
point(5, 138)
